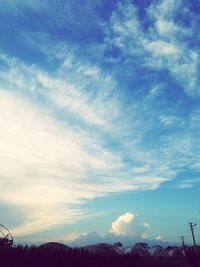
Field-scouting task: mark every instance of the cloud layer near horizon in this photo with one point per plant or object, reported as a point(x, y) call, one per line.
point(127, 229)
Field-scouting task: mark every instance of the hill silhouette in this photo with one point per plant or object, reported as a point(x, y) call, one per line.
point(98, 255)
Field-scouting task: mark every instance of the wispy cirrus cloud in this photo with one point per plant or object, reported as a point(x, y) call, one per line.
point(45, 167)
point(161, 45)
point(52, 159)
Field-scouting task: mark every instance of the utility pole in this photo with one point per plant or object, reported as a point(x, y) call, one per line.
point(183, 243)
point(192, 226)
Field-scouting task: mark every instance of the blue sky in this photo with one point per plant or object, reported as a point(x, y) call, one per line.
point(100, 119)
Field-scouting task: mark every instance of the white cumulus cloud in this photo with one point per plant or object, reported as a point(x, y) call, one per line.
point(159, 237)
point(128, 225)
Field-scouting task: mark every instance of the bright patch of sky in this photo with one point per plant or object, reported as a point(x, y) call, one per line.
point(100, 103)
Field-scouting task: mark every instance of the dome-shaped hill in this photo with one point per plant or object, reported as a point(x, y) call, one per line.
point(54, 246)
point(103, 248)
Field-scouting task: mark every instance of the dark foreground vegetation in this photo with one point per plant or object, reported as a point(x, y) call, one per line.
point(40, 257)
